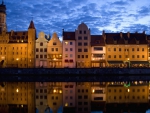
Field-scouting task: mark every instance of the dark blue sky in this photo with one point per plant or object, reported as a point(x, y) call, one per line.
point(54, 15)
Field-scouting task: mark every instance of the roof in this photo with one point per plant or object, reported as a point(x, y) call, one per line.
point(97, 40)
point(131, 38)
point(31, 26)
point(68, 35)
point(18, 37)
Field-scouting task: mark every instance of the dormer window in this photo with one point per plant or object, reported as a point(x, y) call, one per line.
point(41, 44)
point(54, 43)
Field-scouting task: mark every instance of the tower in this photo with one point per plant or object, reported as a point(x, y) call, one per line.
point(31, 45)
point(3, 26)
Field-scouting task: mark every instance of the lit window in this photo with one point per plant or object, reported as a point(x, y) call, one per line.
point(66, 43)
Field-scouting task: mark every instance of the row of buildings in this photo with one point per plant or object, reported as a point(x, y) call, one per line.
point(78, 49)
point(77, 97)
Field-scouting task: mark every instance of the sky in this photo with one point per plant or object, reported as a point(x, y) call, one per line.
point(52, 16)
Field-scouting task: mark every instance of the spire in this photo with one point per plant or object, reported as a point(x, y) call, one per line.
point(31, 26)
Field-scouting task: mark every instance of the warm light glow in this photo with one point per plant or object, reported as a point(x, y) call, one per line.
point(93, 59)
point(93, 90)
point(128, 90)
point(2, 57)
point(21, 40)
point(60, 91)
point(135, 82)
point(17, 59)
point(66, 104)
point(22, 106)
point(30, 60)
point(17, 90)
point(60, 55)
point(66, 43)
point(128, 59)
point(54, 90)
point(54, 59)
point(112, 83)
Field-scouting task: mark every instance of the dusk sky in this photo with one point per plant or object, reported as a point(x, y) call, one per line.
point(54, 15)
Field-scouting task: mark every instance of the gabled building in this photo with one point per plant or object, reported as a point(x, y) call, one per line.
point(83, 48)
point(41, 51)
point(98, 51)
point(54, 52)
point(69, 50)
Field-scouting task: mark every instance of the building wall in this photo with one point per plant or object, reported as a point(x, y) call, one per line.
point(95, 61)
point(54, 52)
point(69, 53)
point(83, 97)
point(41, 100)
point(41, 51)
point(69, 94)
point(85, 57)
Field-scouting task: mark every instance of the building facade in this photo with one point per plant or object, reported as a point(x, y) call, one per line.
point(54, 52)
point(69, 50)
point(41, 51)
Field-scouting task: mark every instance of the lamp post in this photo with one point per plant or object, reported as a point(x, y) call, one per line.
point(17, 59)
point(129, 62)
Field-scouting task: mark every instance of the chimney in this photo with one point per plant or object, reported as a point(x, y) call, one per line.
point(121, 34)
point(128, 34)
point(103, 32)
point(12, 32)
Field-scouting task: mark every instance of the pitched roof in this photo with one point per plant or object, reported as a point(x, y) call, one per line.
point(18, 37)
point(31, 26)
point(68, 35)
point(97, 40)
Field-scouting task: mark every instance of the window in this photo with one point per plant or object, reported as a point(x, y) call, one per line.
point(132, 56)
point(45, 90)
point(120, 97)
point(132, 49)
point(119, 56)
point(70, 43)
point(138, 56)
point(114, 56)
point(133, 97)
point(79, 43)
point(80, 32)
point(52, 49)
point(143, 90)
point(78, 56)
point(114, 90)
point(41, 103)
point(45, 56)
point(114, 97)
point(78, 90)
point(85, 44)
point(41, 43)
point(114, 49)
point(79, 38)
point(41, 90)
point(79, 103)
point(133, 90)
point(37, 97)
point(45, 97)
point(70, 97)
point(142, 56)
point(138, 90)
point(41, 49)
point(109, 49)
point(45, 49)
point(66, 55)
point(70, 49)
point(85, 97)
point(137, 49)
point(109, 56)
point(37, 56)
point(37, 49)
point(79, 50)
point(85, 50)
point(119, 49)
point(56, 49)
point(85, 103)
point(54, 103)
point(41, 56)
point(98, 48)
point(56, 98)
point(66, 49)
point(142, 49)
point(70, 104)
point(54, 43)
point(79, 97)
point(84, 32)
point(85, 38)
point(82, 56)
point(98, 98)
point(71, 55)
point(52, 97)
point(41, 97)
point(86, 56)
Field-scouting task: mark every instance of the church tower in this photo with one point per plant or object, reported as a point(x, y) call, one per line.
point(3, 26)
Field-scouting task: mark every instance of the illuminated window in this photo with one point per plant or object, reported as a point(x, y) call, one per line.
point(66, 55)
point(66, 104)
point(66, 43)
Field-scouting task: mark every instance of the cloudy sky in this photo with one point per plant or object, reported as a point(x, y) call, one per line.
point(54, 15)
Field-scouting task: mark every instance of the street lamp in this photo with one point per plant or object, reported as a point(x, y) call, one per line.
point(17, 90)
point(129, 62)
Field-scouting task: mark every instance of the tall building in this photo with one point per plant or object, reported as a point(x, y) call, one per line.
point(54, 52)
point(41, 51)
point(69, 58)
point(83, 48)
point(17, 47)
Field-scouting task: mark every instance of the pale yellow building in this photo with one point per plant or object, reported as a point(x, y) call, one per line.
point(54, 52)
point(41, 51)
